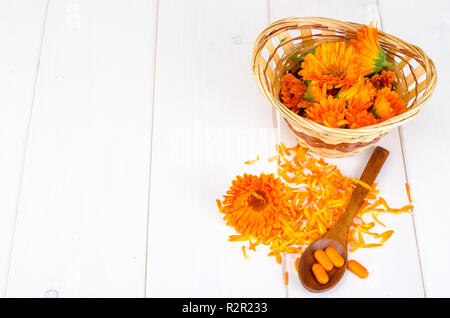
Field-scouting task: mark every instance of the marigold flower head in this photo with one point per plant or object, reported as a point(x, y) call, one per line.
point(387, 104)
point(316, 91)
point(372, 56)
point(292, 92)
point(334, 63)
point(303, 105)
point(360, 119)
point(359, 96)
point(329, 112)
point(255, 206)
point(384, 79)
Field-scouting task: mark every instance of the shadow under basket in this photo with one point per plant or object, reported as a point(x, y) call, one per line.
point(283, 39)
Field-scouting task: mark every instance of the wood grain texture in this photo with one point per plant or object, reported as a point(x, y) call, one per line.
point(209, 119)
point(426, 138)
point(386, 264)
point(21, 31)
point(82, 215)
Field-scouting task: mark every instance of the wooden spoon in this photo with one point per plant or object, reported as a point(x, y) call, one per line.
point(337, 236)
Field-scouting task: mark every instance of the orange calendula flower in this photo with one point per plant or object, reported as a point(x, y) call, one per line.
point(292, 92)
point(303, 105)
point(316, 91)
point(255, 206)
point(359, 96)
point(387, 104)
point(384, 79)
point(329, 112)
point(360, 119)
point(333, 63)
point(371, 55)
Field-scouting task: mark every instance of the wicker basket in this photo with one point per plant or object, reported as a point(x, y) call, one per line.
point(271, 58)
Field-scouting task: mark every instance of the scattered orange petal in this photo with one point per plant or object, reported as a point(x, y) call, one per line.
point(243, 251)
point(408, 192)
point(249, 162)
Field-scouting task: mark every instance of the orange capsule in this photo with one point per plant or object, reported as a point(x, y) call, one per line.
point(335, 257)
point(323, 260)
point(357, 268)
point(320, 273)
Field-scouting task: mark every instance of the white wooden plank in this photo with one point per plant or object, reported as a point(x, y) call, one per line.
point(426, 138)
point(21, 27)
point(386, 264)
point(208, 119)
point(81, 227)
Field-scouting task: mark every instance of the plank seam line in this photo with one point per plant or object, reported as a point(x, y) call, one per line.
point(276, 128)
point(27, 135)
point(275, 115)
point(402, 146)
point(151, 149)
point(400, 133)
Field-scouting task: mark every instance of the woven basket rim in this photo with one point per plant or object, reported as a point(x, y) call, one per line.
point(272, 29)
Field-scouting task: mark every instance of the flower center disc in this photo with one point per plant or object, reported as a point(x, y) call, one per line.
point(257, 200)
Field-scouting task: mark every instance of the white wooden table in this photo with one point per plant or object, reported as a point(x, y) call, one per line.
point(121, 122)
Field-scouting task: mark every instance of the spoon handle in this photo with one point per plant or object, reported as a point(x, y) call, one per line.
point(368, 176)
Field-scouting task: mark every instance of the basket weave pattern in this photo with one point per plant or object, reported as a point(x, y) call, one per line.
point(271, 59)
